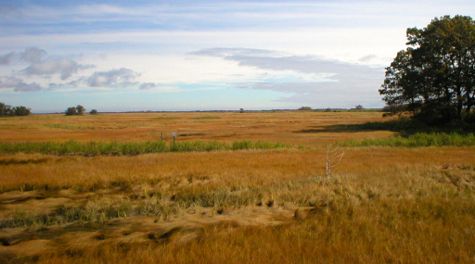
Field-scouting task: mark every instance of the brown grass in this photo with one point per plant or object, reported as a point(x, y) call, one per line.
point(381, 204)
point(283, 127)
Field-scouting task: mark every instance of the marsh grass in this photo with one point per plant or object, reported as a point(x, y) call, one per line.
point(93, 211)
point(219, 198)
point(130, 148)
point(419, 140)
point(381, 205)
point(433, 228)
point(101, 209)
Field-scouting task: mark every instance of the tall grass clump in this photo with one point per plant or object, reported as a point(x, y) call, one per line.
point(130, 148)
point(419, 140)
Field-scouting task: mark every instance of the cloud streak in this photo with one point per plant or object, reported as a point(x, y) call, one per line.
point(346, 82)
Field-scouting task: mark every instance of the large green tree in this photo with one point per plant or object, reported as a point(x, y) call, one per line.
point(434, 77)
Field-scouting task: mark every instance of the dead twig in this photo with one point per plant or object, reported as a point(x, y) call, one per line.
point(334, 155)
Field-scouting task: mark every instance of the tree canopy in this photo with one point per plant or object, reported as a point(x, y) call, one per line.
point(75, 110)
point(6, 110)
point(434, 77)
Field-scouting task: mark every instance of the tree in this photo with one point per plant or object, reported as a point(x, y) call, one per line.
point(21, 111)
point(93, 112)
point(6, 110)
point(75, 110)
point(305, 108)
point(80, 109)
point(359, 107)
point(71, 111)
point(434, 77)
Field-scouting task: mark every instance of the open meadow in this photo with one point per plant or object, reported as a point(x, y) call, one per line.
point(253, 187)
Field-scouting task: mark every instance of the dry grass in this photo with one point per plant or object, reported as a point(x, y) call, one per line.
point(380, 204)
point(284, 127)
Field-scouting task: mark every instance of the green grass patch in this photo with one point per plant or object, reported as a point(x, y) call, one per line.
point(419, 140)
point(131, 148)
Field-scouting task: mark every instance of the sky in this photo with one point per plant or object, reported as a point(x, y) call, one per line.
point(204, 55)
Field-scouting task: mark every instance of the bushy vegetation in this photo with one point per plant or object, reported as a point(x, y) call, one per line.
point(305, 108)
point(6, 110)
point(131, 148)
point(75, 110)
point(419, 140)
point(357, 108)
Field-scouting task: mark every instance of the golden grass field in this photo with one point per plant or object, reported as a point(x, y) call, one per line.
point(378, 204)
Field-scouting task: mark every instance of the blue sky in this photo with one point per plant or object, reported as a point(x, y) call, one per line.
point(202, 55)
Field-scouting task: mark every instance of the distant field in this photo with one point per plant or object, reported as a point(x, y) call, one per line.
point(284, 127)
point(281, 187)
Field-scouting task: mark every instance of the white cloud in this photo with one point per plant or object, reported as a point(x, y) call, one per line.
point(148, 86)
point(64, 67)
point(116, 77)
point(29, 55)
point(18, 85)
point(344, 82)
point(33, 55)
point(7, 59)
point(158, 87)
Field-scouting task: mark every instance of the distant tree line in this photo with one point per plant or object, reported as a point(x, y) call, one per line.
point(78, 110)
point(305, 108)
point(6, 110)
point(434, 77)
point(356, 108)
point(75, 110)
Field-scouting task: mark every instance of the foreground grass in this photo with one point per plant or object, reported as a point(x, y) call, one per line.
point(132, 148)
point(381, 205)
point(419, 140)
point(428, 230)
